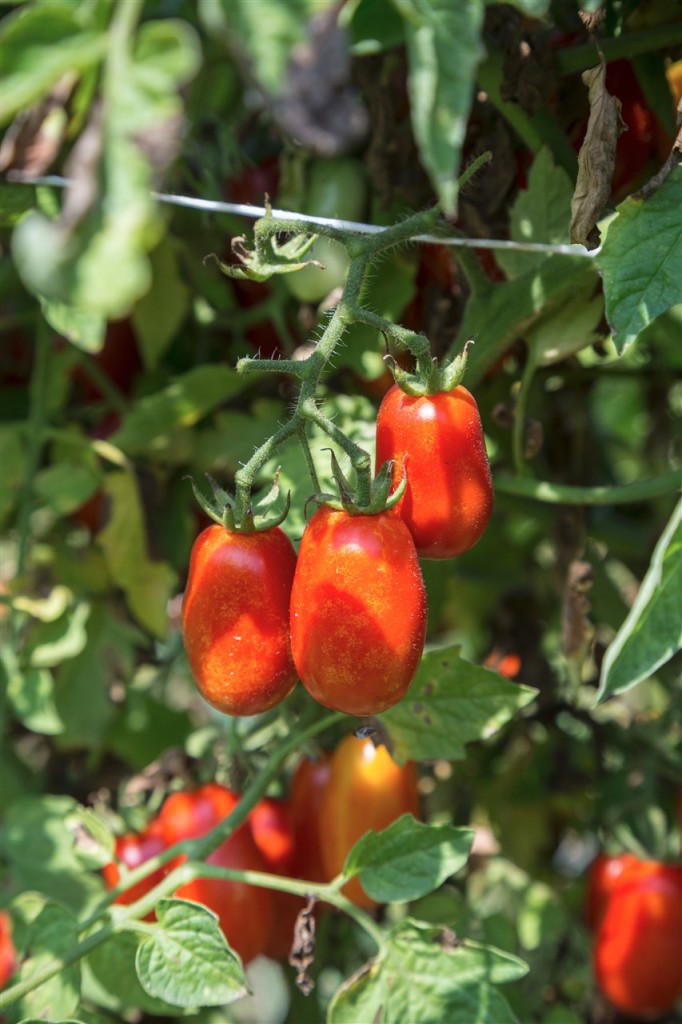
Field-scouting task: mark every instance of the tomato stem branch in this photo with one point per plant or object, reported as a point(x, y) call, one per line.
point(562, 494)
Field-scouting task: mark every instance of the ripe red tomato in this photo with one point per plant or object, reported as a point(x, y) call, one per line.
point(439, 439)
point(8, 955)
point(358, 611)
point(244, 911)
point(235, 619)
point(273, 833)
point(366, 790)
point(637, 953)
point(133, 850)
point(605, 875)
point(308, 786)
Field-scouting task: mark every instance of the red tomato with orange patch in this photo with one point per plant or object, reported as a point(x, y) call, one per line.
point(439, 440)
point(358, 611)
point(132, 850)
point(235, 618)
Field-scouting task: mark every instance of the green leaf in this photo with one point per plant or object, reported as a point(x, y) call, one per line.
point(531, 8)
point(53, 642)
point(40, 43)
point(64, 487)
point(13, 462)
point(158, 315)
point(82, 684)
point(374, 28)
point(113, 965)
point(233, 436)
point(497, 314)
point(84, 329)
point(450, 703)
point(652, 631)
point(443, 49)
point(40, 850)
point(150, 425)
point(641, 261)
point(15, 201)
point(540, 213)
point(53, 933)
point(426, 975)
point(31, 694)
point(147, 585)
point(393, 286)
point(266, 31)
point(93, 258)
point(568, 328)
point(187, 960)
point(407, 860)
point(144, 728)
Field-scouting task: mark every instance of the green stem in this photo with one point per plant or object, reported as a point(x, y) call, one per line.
point(562, 494)
point(36, 432)
point(308, 456)
point(660, 37)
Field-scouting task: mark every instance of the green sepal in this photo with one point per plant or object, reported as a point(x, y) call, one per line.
point(429, 378)
point(255, 518)
point(380, 497)
point(267, 259)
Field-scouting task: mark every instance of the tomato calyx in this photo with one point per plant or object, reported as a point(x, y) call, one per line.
point(378, 497)
point(429, 378)
point(257, 517)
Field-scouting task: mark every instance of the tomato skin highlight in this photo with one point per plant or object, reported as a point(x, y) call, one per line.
point(439, 439)
point(235, 619)
point(244, 911)
point(366, 790)
point(637, 953)
point(358, 611)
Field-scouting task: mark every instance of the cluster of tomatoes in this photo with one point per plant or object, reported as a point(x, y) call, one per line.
point(634, 911)
point(348, 615)
point(332, 802)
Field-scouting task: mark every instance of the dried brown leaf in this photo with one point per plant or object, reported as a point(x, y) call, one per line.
point(596, 160)
point(302, 955)
point(33, 140)
point(577, 631)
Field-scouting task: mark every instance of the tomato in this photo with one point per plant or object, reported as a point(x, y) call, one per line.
point(273, 833)
point(358, 611)
point(9, 961)
point(637, 953)
point(439, 440)
point(244, 911)
point(605, 874)
point(508, 665)
point(336, 189)
point(133, 850)
point(308, 786)
point(235, 618)
point(366, 790)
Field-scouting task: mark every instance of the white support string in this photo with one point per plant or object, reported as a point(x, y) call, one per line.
point(246, 210)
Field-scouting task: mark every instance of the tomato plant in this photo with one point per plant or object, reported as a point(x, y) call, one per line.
point(244, 911)
point(358, 611)
point(235, 618)
point(438, 439)
point(366, 790)
point(637, 953)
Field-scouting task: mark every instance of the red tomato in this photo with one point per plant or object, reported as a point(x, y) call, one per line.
point(308, 786)
point(244, 911)
point(235, 619)
point(358, 611)
point(508, 665)
point(366, 790)
point(605, 875)
point(273, 833)
point(133, 850)
point(9, 961)
point(637, 953)
point(449, 493)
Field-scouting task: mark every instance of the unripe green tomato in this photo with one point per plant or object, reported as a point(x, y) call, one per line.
point(336, 188)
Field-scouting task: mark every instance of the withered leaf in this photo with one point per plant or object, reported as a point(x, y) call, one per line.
point(596, 160)
point(577, 631)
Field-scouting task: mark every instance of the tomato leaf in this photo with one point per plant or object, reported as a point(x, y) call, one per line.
point(113, 967)
point(147, 584)
point(443, 49)
point(641, 260)
point(57, 641)
point(652, 631)
point(450, 703)
point(31, 695)
point(187, 960)
point(159, 314)
point(540, 213)
point(52, 933)
point(426, 973)
point(408, 859)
